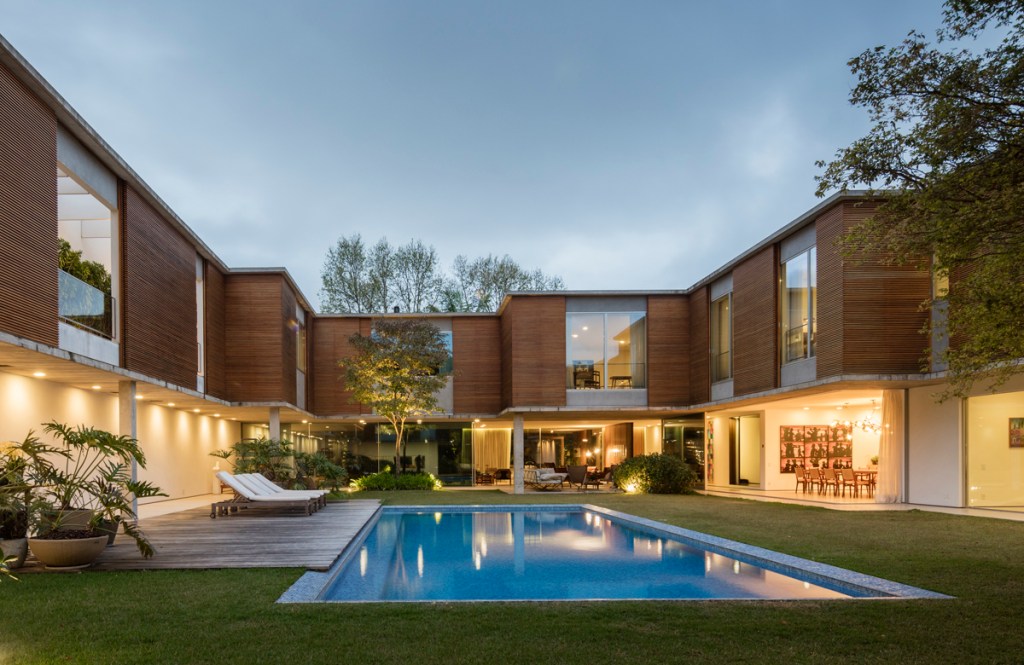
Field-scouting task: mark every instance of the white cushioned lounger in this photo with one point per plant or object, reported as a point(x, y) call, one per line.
point(245, 497)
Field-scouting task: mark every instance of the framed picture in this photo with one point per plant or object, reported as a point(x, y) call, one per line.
point(1017, 432)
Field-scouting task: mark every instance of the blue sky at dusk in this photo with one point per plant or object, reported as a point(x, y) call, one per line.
point(621, 145)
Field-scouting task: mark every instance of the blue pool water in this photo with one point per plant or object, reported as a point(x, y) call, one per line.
point(552, 554)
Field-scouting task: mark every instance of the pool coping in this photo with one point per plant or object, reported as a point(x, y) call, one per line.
point(309, 587)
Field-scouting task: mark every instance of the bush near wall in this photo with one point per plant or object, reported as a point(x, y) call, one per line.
point(655, 474)
point(385, 480)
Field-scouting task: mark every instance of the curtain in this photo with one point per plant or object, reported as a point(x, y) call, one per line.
point(546, 452)
point(891, 449)
point(492, 449)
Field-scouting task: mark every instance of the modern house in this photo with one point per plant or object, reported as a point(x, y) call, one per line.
point(786, 358)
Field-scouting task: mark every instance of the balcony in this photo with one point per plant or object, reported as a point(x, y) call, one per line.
point(84, 306)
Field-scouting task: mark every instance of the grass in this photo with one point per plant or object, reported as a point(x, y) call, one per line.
point(229, 616)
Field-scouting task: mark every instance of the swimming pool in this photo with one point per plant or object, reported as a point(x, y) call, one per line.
point(577, 552)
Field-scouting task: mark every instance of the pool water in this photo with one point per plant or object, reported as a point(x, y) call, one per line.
point(547, 555)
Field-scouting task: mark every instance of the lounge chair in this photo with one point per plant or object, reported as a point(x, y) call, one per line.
point(262, 485)
point(247, 498)
point(578, 478)
point(543, 479)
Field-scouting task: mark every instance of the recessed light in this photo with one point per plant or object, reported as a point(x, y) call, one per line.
point(39, 374)
point(304, 422)
point(195, 410)
point(170, 404)
point(95, 387)
point(807, 408)
point(138, 397)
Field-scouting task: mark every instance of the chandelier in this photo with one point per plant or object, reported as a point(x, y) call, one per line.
point(868, 424)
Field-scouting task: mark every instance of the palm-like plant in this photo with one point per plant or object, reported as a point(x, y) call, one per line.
point(92, 472)
point(26, 469)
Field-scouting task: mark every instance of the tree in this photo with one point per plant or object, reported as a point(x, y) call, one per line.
point(946, 155)
point(395, 370)
point(357, 280)
point(480, 285)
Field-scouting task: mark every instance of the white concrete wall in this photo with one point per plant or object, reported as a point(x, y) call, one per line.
point(719, 448)
point(177, 444)
point(995, 471)
point(934, 450)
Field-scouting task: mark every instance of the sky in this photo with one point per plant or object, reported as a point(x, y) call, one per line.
point(630, 145)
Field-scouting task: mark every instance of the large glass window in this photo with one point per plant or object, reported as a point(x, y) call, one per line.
point(721, 338)
point(606, 350)
point(799, 306)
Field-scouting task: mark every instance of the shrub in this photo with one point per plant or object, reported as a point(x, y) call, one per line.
point(385, 480)
point(655, 474)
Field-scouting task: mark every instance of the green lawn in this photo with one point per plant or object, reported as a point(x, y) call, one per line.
point(230, 616)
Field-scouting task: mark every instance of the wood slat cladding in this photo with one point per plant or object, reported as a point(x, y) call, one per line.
point(216, 346)
point(620, 436)
point(476, 355)
point(158, 295)
point(700, 352)
point(668, 352)
point(289, 344)
point(755, 323)
point(330, 345)
point(533, 351)
point(882, 319)
point(254, 334)
point(28, 214)
point(831, 323)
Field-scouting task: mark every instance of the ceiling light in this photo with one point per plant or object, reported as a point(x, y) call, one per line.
point(807, 408)
point(170, 404)
point(39, 374)
point(195, 410)
point(216, 415)
point(138, 396)
point(304, 422)
point(95, 387)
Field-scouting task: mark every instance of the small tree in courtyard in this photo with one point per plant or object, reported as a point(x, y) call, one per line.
point(396, 370)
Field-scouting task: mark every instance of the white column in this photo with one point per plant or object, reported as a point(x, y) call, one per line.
point(275, 422)
point(128, 423)
point(517, 454)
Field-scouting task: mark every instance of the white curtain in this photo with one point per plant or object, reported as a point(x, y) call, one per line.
point(546, 452)
point(492, 449)
point(891, 449)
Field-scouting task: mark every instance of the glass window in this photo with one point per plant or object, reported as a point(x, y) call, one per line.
point(300, 348)
point(799, 306)
point(606, 350)
point(721, 338)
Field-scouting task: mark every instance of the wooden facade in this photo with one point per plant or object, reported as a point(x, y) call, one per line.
point(755, 323)
point(330, 345)
point(476, 354)
point(28, 213)
point(215, 350)
point(533, 351)
point(668, 350)
point(254, 334)
point(700, 349)
point(158, 295)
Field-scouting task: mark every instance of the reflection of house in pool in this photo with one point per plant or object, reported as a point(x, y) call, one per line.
point(743, 374)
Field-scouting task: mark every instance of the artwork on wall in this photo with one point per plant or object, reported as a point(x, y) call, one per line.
point(815, 446)
point(1017, 432)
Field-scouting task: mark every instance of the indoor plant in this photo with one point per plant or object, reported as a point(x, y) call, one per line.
point(90, 484)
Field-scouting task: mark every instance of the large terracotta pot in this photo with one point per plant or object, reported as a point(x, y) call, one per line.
point(68, 553)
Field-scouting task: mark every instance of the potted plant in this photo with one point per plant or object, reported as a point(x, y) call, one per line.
point(25, 467)
point(89, 485)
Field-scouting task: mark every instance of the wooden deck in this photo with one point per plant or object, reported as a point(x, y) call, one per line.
point(246, 539)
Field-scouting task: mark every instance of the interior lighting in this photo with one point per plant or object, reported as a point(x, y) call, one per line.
point(304, 422)
point(139, 396)
point(195, 410)
point(39, 375)
point(170, 404)
point(216, 415)
point(95, 387)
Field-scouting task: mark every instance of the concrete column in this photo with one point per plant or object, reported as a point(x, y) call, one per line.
point(517, 454)
point(275, 422)
point(128, 423)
